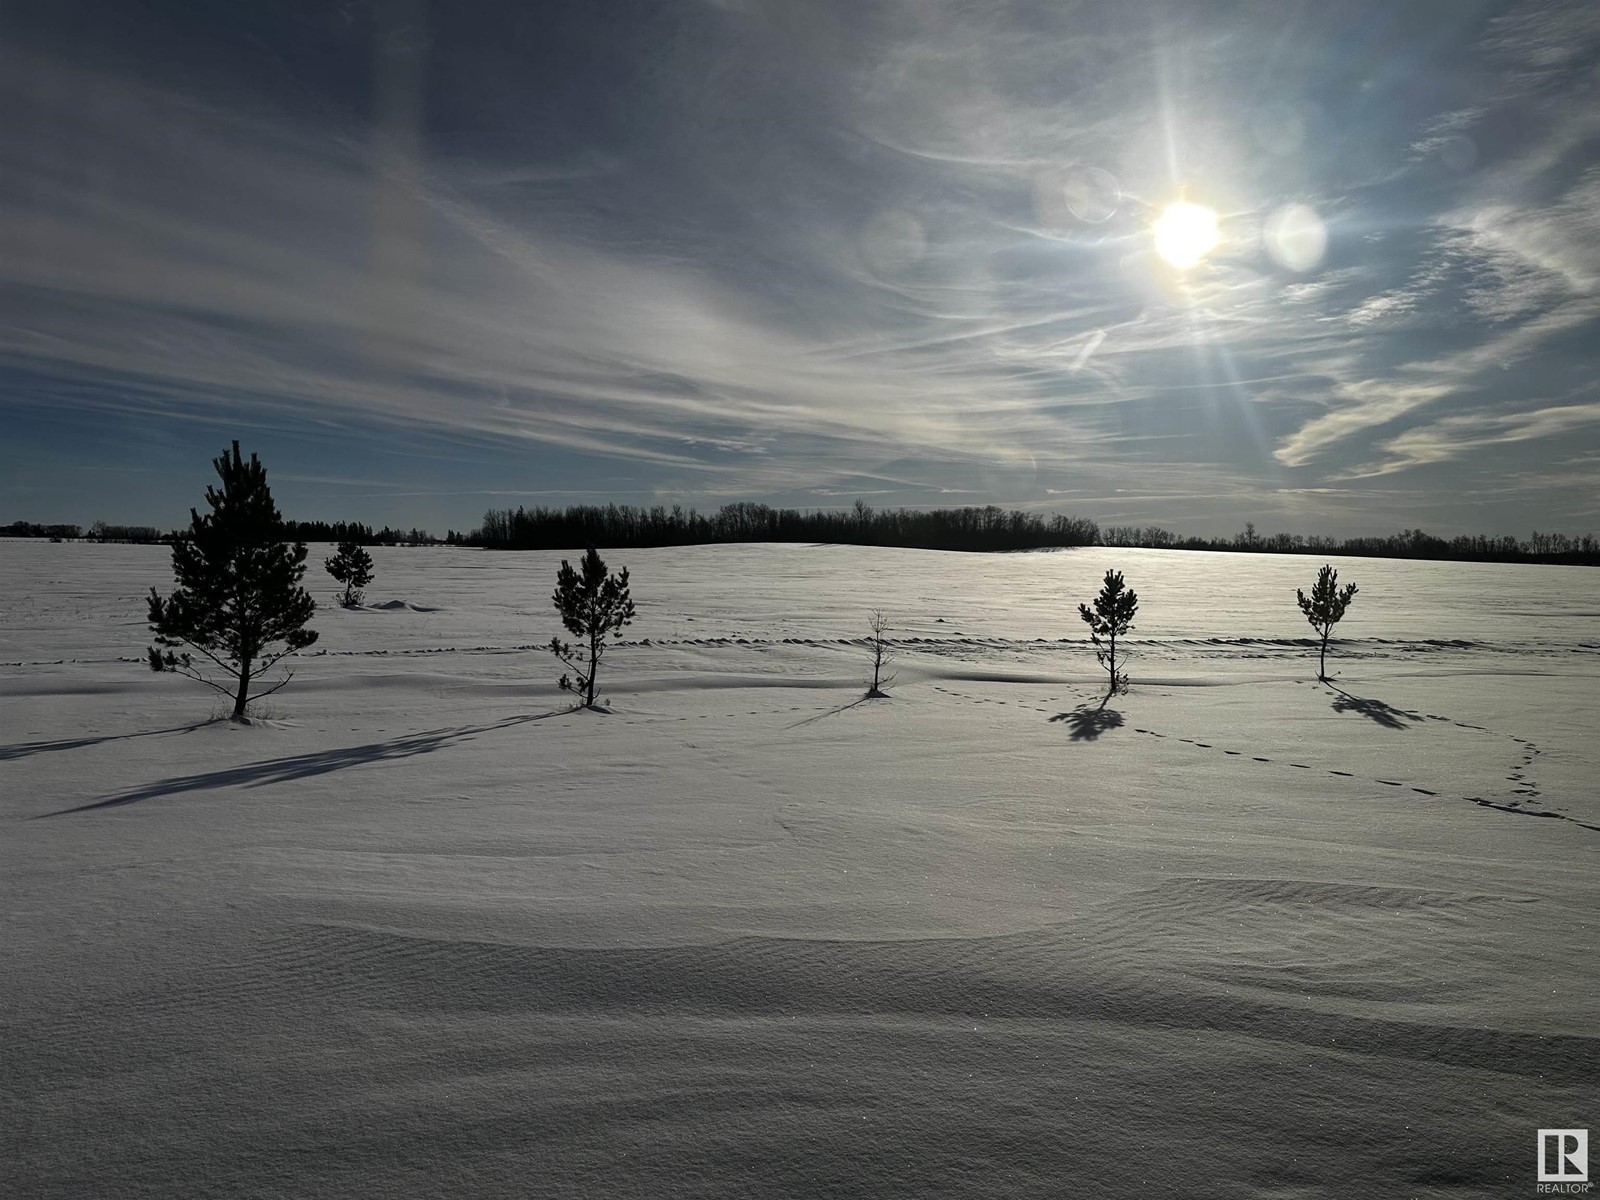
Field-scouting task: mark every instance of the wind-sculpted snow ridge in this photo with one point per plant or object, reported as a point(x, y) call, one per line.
point(421, 1065)
point(1283, 649)
point(395, 606)
point(1026, 977)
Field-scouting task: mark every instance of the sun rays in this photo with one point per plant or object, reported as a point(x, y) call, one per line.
point(1185, 233)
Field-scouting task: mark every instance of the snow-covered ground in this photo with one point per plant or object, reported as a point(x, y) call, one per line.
point(423, 933)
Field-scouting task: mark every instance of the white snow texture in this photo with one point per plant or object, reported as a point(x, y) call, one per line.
point(422, 932)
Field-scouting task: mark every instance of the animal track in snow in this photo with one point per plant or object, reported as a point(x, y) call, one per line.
point(1519, 775)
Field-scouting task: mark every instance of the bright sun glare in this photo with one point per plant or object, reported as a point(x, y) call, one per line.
point(1185, 233)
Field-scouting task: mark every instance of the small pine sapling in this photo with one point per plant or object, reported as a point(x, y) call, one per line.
point(239, 602)
point(1325, 608)
point(592, 604)
point(882, 653)
point(1111, 617)
point(351, 565)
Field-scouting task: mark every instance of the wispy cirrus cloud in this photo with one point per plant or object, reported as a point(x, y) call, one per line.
point(234, 267)
point(1450, 437)
point(1503, 273)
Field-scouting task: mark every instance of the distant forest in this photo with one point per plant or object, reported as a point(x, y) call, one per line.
point(1409, 543)
point(625, 525)
point(979, 529)
point(297, 531)
point(362, 535)
point(971, 529)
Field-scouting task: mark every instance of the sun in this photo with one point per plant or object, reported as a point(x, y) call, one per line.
point(1185, 233)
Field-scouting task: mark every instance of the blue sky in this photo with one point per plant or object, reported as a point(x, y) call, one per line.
point(428, 259)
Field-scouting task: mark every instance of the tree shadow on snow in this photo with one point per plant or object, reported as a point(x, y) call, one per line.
point(1374, 710)
point(834, 712)
point(1089, 721)
point(27, 749)
point(304, 766)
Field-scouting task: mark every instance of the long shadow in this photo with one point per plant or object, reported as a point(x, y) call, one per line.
point(1386, 715)
point(832, 712)
point(303, 766)
point(27, 749)
point(1087, 722)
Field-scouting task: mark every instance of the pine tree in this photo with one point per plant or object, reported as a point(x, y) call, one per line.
point(1324, 608)
point(1111, 617)
point(239, 602)
point(592, 605)
point(351, 566)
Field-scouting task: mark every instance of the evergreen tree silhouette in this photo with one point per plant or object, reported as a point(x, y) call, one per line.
point(592, 604)
point(239, 602)
point(1324, 608)
point(1111, 617)
point(351, 565)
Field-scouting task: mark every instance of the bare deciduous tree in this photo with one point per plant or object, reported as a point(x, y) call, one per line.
point(882, 652)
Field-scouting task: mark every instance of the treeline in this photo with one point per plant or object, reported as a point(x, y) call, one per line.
point(361, 535)
point(1409, 543)
point(619, 525)
point(294, 531)
point(100, 531)
point(27, 529)
point(973, 529)
point(990, 528)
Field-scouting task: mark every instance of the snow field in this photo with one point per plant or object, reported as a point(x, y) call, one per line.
point(420, 932)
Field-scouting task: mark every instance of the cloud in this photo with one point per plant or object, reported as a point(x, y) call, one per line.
point(1450, 437)
point(1540, 40)
point(236, 266)
point(1372, 403)
point(1505, 273)
point(794, 250)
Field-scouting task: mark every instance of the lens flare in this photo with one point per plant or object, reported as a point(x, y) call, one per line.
point(1185, 233)
point(1295, 237)
point(1092, 195)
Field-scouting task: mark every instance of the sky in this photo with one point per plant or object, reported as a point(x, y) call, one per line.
point(432, 258)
